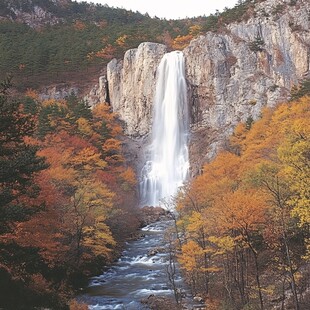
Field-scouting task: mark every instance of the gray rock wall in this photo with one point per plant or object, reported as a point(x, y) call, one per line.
point(131, 84)
point(253, 64)
point(99, 93)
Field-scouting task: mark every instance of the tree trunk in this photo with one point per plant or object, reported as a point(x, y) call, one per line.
point(291, 272)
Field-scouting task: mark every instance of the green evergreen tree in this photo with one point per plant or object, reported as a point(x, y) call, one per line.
point(18, 159)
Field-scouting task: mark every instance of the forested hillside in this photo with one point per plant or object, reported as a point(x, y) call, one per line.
point(44, 41)
point(67, 197)
point(244, 222)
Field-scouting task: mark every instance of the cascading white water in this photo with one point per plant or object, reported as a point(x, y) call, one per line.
point(168, 165)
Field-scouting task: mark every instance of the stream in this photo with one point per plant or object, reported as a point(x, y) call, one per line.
point(141, 271)
point(135, 276)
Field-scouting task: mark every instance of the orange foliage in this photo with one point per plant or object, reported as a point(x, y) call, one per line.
point(244, 204)
point(122, 40)
point(106, 53)
point(112, 146)
point(45, 229)
point(79, 202)
point(79, 25)
point(240, 210)
point(102, 112)
point(31, 93)
point(129, 176)
point(180, 42)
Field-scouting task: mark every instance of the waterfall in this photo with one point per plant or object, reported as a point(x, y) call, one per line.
point(167, 166)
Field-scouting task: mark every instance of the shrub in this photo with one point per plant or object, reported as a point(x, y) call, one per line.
point(303, 89)
point(257, 44)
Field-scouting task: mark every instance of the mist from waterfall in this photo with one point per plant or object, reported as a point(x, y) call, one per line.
point(167, 166)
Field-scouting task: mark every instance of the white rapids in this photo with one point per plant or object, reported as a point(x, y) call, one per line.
point(168, 165)
point(139, 273)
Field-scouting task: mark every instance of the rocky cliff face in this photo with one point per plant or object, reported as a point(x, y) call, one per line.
point(36, 15)
point(231, 74)
point(58, 92)
point(99, 93)
point(131, 84)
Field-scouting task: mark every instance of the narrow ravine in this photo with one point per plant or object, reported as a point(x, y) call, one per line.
point(139, 273)
point(142, 269)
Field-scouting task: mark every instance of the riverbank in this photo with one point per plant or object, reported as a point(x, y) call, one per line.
point(140, 272)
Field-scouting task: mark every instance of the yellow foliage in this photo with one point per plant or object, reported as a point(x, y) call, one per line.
point(93, 195)
point(196, 222)
point(195, 30)
point(191, 257)
point(31, 93)
point(59, 103)
point(224, 244)
point(84, 127)
point(129, 176)
point(306, 257)
point(112, 145)
point(88, 159)
point(294, 154)
point(180, 42)
point(122, 40)
point(98, 239)
point(241, 198)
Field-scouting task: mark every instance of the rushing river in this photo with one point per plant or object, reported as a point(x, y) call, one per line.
point(135, 276)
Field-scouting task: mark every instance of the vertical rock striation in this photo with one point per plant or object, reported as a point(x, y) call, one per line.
point(131, 84)
point(234, 73)
point(99, 93)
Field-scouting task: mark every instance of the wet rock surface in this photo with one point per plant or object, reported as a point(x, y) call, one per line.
point(153, 214)
point(160, 303)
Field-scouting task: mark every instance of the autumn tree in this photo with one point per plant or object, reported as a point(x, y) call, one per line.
point(19, 167)
point(294, 154)
point(88, 209)
point(247, 216)
point(241, 215)
point(18, 160)
point(67, 196)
